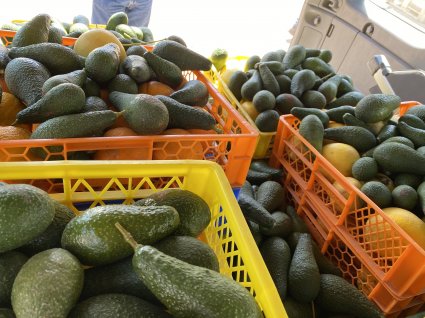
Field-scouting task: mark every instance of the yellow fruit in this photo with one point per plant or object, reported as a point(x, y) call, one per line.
point(379, 234)
point(95, 38)
point(358, 184)
point(341, 156)
point(225, 76)
point(250, 109)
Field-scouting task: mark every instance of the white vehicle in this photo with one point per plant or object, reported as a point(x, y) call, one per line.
point(379, 43)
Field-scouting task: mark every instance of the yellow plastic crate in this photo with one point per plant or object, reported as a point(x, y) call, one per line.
point(84, 184)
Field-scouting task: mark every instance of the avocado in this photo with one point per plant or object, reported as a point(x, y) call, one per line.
point(270, 195)
point(55, 35)
point(63, 99)
point(336, 114)
point(190, 250)
point(180, 55)
point(339, 296)
point(77, 77)
point(251, 86)
point(313, 99)
point(264, 100)
point(149, 223)
point(48, 285)
point(136, 67)
point(298, 224)
point(145, 114)
point(329, 88)
point(91, 88)
point(405, 197)
point(166, 71)
point(318, 66)
point(285, 102)
point(294, 56)
point(325, 55)
point(344, 87)
point(348, 99)
point(255, 212)
point(89, 124)
point(267, 121)
point(126, 31)
point(302, 81)
point(78, 28)
point(409, 179)
point(387, 132)
point(4, 57)
point(412, 120)
point(136, 50)
point(102, 63)
point(236, 80)
point(251, 61)
point(268, 79)
point(25, 212)
point(304, 275)
point(324, 264)
point(271, 56)
point(296, 309)
point(24, 78)
point(275, 66)
point(194, 212)
point(416, 135)
point(358, 137)
point(311, 128)
point(421, 195)
point(398, 158)
point(118, 277)
point(51, 237)
point(34, 31)
point(282, 226)
point(180, 278)
point(364, 169)
point(418, 111)
point(284, 84)
point(94, 103)
point(247, 189)
point(376, 107)
point(378, 193)
point(116, 19)
point(192, 93)
point(256, 177)
point(147, 34)
point(277, 257)
point(187, 117)
point(10, 264)
point(124, 84)
point(301, 112)
point(58, 59)
point(115, 305)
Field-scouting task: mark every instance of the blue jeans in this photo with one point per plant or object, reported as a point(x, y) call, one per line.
point(138, 11)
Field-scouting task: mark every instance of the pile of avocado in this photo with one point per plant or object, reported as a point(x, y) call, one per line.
point(281, 80)
point(137, 260)
point(303, 276)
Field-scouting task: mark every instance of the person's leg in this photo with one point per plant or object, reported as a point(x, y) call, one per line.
point(139, 12)
point(103, 9)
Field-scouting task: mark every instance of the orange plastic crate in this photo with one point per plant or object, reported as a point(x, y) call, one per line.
point(233, 149)
point(390, 270)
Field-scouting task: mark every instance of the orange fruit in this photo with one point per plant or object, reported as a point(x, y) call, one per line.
point(155, 88)
point(141, 153)
point(177, 149)
point(10, 105)
point(15, 133)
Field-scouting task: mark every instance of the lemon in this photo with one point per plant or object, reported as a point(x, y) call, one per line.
point(249, 108)
point(381, 236)
point(341, 156)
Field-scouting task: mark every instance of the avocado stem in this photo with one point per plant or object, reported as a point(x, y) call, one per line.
point(126, 235)
point(217, 130)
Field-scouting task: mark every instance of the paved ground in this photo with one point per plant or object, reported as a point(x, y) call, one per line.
point(242, 27)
